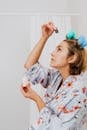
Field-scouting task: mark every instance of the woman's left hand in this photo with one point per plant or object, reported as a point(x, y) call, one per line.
point(31, 94)
point(28, 92)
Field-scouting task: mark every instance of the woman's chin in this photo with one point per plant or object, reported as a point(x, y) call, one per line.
point(51, 65)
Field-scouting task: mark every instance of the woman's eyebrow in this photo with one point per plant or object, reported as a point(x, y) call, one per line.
point(59, 46)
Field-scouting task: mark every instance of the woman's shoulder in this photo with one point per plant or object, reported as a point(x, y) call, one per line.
point(83, 77)
point(80, 81)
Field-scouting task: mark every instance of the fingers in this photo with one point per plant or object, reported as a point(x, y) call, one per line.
point(50, 26)
point(25, 88)
point(23, 91)
point(50, 23)
point(27, 85)
point(28, 92)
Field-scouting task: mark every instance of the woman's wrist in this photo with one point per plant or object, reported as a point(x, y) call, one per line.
point(40, 103)
point(45, 37)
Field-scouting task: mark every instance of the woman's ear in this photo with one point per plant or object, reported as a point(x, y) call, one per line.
point(72, 59)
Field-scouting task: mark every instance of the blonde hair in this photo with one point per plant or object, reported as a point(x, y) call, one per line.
point(85, 60)
point(74, 48)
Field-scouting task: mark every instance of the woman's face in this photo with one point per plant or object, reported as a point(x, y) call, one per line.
point(59, 57)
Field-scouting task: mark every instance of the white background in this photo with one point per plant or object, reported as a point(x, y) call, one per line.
point(15, 44)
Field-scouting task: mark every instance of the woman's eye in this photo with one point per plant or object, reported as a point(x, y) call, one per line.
point(58, 49)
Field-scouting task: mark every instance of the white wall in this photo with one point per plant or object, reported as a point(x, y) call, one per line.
point(34, 5)
point(79, 22)
point(13, 107)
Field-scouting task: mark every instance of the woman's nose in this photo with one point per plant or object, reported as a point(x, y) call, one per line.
point(52, 53)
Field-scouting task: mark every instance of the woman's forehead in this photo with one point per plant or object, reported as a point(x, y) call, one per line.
point(62, 44)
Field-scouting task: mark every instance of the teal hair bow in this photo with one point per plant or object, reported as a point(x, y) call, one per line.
point(81, 40)
point(71, 35)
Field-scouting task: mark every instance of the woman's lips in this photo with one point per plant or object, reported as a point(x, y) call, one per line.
point(52, 59)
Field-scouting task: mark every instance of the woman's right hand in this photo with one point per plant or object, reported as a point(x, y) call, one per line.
point(48, 29)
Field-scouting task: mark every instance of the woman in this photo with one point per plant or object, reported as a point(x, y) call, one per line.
point(64, 98)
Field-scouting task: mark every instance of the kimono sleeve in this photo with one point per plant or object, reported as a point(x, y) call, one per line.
point(68, 113)
point(50, 120)
point(47, 120)
point(39, 74)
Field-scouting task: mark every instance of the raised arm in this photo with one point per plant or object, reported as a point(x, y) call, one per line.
point(47, 31)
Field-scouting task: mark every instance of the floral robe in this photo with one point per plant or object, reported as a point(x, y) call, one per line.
point(66, 104)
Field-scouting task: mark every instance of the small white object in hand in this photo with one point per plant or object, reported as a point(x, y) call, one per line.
point(37, 88)
point(25, 81)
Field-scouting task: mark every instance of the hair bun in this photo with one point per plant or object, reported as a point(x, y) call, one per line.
point(82, 41)
point(71, 35)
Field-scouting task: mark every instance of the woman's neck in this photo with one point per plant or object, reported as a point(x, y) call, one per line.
point(65, 73)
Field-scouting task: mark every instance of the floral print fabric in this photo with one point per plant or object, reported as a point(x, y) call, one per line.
point(66, 106)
